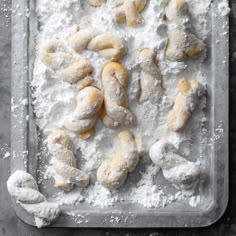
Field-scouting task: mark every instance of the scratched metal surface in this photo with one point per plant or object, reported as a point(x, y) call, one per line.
point(11, 225)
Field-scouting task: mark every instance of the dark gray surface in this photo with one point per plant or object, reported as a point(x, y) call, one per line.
point(9, 223)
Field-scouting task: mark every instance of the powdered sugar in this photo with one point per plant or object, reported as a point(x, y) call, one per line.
point(101, 196)
point(147, 193)
point(194, 201)
point(223, 8)
point(24, 189)
point(54, 100)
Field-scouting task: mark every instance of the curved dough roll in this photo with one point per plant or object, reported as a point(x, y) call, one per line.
point(114, 78)
point(89, 103)
point(187, 98)
point(129, 11)
point(150, 77)
point(96, 3)
point(176, 169)
point(113, 172)
point(23, 187)
point(182, 43)
point(72, 70)
point(109, 46)
point(64, 163)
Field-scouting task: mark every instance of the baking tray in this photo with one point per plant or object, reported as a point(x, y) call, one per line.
point(25, 144)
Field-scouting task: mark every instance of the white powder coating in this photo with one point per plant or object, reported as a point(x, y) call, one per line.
point(24, 189)
point(6, 155)
point(223, 8)
point(194, 201)
point(176, 169)
point(55, 100)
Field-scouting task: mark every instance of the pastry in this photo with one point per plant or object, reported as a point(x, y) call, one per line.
point(96, 3)
point(176, 169)
point(113, 172)
point(109, 46)
point(114, 78)
point(186, 100)
point(89, 103)
point(64, 163)
point(129, 11)
point(72, 70)
point(150, 78)
point(182, 42)
point(23, 187)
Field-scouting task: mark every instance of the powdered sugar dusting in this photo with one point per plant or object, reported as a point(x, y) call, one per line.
point(54, 100)
point(100, 196)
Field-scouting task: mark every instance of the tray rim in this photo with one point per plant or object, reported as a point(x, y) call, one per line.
point(20, 155)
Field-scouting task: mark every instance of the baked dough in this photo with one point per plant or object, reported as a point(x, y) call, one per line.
point(176, 169)
point(114, 78)
point(150, 77)
point(109, 46)
point(113, 172)
point(72, 70)
point(64, 163)
point(96, 3)
point(129, 11)
point(23, 187)
point(89, 103)
point(187, 98)
point(182, 43)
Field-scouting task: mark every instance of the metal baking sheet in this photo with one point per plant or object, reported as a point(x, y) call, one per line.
point(25, 144)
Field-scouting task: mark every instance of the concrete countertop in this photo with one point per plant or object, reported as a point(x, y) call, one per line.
point(10, 225)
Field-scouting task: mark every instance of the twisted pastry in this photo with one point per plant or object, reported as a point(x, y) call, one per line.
point(24, 189)
point(182, 43)
point(96, 3)
point(129, 11)
point(73, 70)
point(150, 77)
point(114, 78)
point(89, 103)
point(186, 101)
point(176, 169)
point(113, 172)
point(64, 163)
point(109, 46)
